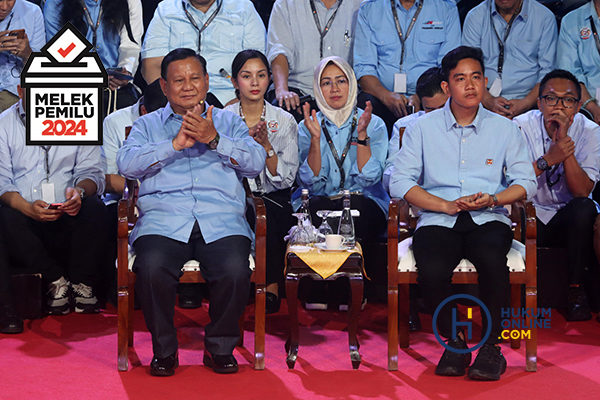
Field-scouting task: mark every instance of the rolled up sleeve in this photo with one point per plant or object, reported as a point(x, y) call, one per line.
point(89, 166)
point(408, 166)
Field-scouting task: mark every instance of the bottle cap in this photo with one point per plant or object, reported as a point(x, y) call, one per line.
point(304, 191)
point(346, 192)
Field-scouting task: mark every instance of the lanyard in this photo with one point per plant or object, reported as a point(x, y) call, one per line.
point(404, 38)
point(595, 32)
point(208, 21)
point(506, 32)
point(340, 161)
point(12, 14)
point(46, 151)
point(323, 32)
point(262, 118)
point(554, 169)
point(90, 22)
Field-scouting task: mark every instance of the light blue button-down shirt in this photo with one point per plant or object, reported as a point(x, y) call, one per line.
point(23, 168)
point(179, 188)
point(236, 27)
point(529, 50)
point(450, 161)
point(293, 33)
point(577, 51)
point(327, 182)
point(585, 135)
point(377, 45)
point(114, 49)
point(28, 16)
point(394, 146)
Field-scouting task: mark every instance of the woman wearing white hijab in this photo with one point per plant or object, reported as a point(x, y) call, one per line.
point(359, 140)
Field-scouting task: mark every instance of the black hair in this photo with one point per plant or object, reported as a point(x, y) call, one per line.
point(452, 58)
point(154, 98)
point(429, 83)
point(241, 58)
point(560, 74)
point(180, 54)
point(115, 15)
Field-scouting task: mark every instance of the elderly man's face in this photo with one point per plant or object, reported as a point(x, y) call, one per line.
point(186, 84)
point(6, 7)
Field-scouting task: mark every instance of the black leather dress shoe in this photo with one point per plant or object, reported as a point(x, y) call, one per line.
point(577, 306)
point(489, 364)
point(10, 321)
point(221, 364)
point(190, 295)
point(414, 321)
point(451, 363)
point(273, 303)
point(164, 366)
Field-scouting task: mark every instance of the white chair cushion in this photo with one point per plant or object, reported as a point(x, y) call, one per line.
point(406, 259)
point(191, 265)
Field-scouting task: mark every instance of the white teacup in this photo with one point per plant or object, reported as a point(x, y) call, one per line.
point(334, 242)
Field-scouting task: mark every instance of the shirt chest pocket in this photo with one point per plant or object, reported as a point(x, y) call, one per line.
point(229, 36)
point(430, 40)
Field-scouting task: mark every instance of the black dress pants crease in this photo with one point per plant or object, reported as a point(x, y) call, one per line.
point(224, 265)
point(71, 246)
point(438, 250)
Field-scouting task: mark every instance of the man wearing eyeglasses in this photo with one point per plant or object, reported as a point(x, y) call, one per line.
point(564, 148)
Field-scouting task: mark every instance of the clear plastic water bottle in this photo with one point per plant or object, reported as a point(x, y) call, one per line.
point(346, 227)
point(304, 206)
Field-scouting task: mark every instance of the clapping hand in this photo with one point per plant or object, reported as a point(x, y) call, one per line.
point(311, 122)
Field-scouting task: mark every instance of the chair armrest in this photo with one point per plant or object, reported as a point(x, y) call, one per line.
point(523, 214)
point(260, 240)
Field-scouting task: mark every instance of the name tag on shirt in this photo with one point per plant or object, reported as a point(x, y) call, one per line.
point(496, 87)
point(48, 192)
point(399, 83)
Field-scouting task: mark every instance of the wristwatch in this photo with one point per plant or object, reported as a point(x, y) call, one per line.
point(214, 143)
point(542, 164)
point(270, 153)
point(81, 191)
point(365, 142)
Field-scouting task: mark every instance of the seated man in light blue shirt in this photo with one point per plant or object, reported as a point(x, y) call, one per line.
point(15, 48)
point(564, 148)
point(216, 29)
point(190, 161)
point(460, 165)
point(53, 221)
point(298, 39)
point(578, 52)
point(432, 97)
point(391, 53)
point(518, 39)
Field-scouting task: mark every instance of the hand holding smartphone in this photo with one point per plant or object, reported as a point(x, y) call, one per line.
point(19, 33)
point(54, 206)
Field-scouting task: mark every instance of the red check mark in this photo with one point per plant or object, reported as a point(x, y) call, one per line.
point(65, 52)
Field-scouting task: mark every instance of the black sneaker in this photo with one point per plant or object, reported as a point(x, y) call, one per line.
point(489, 364)
point(9, 320)
point(451, 363)
point(577, 306)
point(58, 300)
point(85, 301)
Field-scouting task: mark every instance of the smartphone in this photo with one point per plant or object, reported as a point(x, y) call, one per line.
point(116, 72)
point(54, 206)
point(410, 109)
point(19, 33)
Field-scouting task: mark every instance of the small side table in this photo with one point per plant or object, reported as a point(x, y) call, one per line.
point(297, 269)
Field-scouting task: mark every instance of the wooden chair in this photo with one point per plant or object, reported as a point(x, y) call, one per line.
point(126, 278)
point(400, 222)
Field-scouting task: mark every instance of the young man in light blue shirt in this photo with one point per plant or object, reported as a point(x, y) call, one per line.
point(216, 29)
point(460, 165)
point(518, 39)
point(578, 52)
point(564, 148)
point(190, 161)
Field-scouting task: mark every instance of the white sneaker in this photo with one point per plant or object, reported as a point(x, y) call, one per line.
point(58, 297)
point(85, 301)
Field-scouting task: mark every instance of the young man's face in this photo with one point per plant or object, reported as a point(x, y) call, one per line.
point(434, 102)
point(559, 91)
point(466, 84)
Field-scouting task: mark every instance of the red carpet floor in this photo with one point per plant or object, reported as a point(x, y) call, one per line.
point(74, 356)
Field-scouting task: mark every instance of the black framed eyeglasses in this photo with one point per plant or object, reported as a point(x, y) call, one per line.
point(567, 102)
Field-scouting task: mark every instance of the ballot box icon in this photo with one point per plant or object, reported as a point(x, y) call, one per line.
point(63, 92)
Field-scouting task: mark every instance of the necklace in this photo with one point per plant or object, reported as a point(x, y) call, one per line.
point(262, 117)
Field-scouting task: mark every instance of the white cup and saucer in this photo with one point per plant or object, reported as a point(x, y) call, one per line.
point(333, 243)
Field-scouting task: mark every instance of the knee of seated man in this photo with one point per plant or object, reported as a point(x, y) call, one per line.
point(584, 207)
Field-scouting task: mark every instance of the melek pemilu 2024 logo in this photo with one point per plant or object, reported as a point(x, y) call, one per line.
point(63, 92)
point(517, 323)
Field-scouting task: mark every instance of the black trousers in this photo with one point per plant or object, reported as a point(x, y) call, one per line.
point(71, 246)
point(438, 250)
point(368, 227)
point(224, 265)
point(5, 279)
point(379, 109)
point(279, 222)
point(572, 228)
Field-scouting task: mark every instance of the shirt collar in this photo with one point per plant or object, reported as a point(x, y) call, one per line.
point(213, 7)
point(414, 6)
point(168, 112)
point(523, 14)
point(451, 121)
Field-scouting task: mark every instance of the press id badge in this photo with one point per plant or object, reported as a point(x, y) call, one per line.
point(399, 83)
point(496, 87)
point(48, 194)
